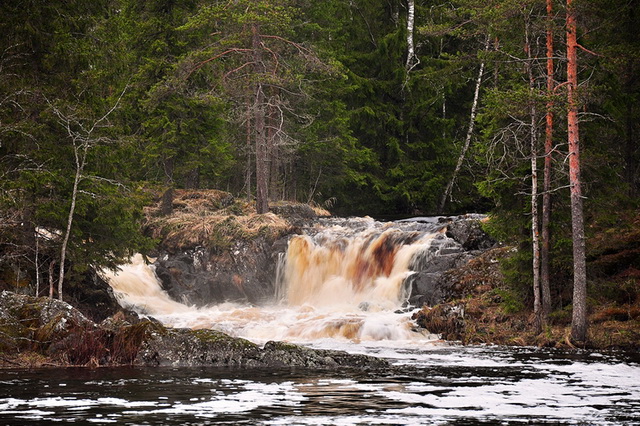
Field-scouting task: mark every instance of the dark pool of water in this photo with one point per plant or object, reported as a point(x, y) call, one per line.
point(433, 385)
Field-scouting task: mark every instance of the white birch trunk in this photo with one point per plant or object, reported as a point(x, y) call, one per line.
point(412, 59)
point(535, 232)
point(467, 140)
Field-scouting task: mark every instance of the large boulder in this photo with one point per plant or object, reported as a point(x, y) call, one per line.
point(244, 273)
point(190, 348)
point(30, 323)
point(460, 240)
point(467, 230)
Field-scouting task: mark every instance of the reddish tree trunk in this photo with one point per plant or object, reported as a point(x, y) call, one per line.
point(579, 318)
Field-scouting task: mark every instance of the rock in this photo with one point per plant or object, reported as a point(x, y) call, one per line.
point(245, 273)
point(288, 355)
point(55, 329)
point(35, 323)
point(427, 288)
point(447, 320)
point(432, 282)
point(92, 296)
point(191, 348)
point(469, 233)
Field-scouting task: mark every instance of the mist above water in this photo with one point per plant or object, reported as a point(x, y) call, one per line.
point(344, 280)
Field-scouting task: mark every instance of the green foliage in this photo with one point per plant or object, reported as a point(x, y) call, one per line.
point(510, 301)
point(349, 122)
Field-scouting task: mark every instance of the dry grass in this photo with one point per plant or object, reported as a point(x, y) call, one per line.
point(484, 299)
point(212, 219)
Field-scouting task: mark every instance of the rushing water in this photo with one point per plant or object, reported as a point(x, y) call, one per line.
point(341, 287)
point(435, 384)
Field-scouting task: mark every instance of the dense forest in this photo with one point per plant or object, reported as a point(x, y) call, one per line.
point(378, 107)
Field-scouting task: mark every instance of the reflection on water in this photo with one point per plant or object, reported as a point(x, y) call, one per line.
point(342, 288)
point(435, 385)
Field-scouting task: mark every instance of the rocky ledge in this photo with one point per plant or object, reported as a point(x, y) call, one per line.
point(36, 332)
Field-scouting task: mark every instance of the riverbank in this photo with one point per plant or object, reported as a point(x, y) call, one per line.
point(484, 311)
point(43, 332)
point(214, 248)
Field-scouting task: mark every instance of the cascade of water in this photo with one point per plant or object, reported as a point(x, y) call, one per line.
point(344, 280)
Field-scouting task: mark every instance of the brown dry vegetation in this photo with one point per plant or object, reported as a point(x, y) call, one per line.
point(210, 218)
point(487, 312)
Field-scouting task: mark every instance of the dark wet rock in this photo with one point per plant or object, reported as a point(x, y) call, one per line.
point(93, 296)
point(469, 233)
point(244, 273)
point(460, 241)
point(189, 348)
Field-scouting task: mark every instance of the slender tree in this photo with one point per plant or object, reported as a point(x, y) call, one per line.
point(533, 139)
point(545, 248)
point(83, 137)
point(579, 316)
point(470, 128)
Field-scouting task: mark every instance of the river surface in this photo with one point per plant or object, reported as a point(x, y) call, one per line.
point(342, 286)
point(435, 384)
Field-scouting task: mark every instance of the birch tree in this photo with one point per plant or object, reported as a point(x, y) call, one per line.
point(84, 136)
point(469, 135)
point(533, 137)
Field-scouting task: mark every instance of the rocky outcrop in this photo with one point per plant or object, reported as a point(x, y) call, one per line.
point(188, 348)
point(460, 240)
point(55, 333)
point(244, 273)
point(92, 296)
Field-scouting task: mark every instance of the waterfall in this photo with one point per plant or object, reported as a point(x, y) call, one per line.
point(342, 279)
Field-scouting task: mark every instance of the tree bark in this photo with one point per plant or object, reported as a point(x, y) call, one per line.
point(262, 169)
point(52, 266)
point(533, 135)
point(467, 140)
point(247, 176)
point(579, 316)
point(80, 159)
point(545, 248)
point(412, 59)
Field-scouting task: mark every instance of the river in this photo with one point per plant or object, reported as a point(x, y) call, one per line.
point(338, 288)
point(435, 384)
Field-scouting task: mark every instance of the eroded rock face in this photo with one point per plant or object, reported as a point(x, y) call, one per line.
point(189, 348)
point(462, 239)
point(56, 330)
point(245, 273)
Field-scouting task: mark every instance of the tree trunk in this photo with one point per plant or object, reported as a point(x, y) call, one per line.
point(545, 249)
point(412, 59)
point(247, 176)
point(262, 169)
point(467, 141)
point(533, 135)
point(579, 318)
point(80, 159)
point(52, 265)
point(166, 202)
